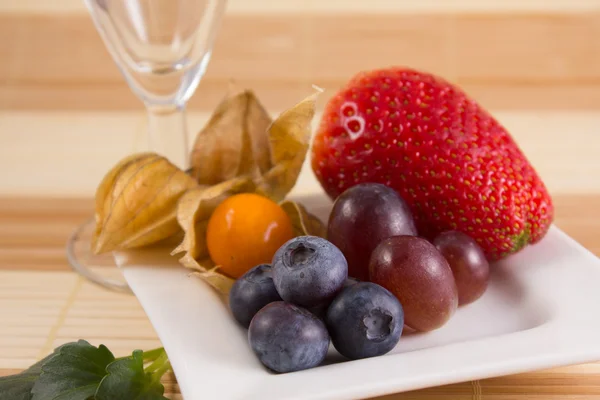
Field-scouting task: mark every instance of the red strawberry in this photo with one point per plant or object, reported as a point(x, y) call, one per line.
point(454, 164)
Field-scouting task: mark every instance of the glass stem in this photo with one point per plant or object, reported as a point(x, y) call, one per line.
point(167, 133)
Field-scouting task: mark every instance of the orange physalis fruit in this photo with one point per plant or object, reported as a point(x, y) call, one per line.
point(246, 230)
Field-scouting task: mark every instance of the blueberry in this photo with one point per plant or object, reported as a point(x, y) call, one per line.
point(288, 338)
point(251, 292)
point(309, 271)
point(365, 320)
point(321, 309)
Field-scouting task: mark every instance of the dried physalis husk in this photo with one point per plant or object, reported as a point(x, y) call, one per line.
point(303, 222)
point(289, 138)
point(136, 203)
point(194, 211)
point(240, 139)
point(146, 199)
point(242, 150)
point(234, 142)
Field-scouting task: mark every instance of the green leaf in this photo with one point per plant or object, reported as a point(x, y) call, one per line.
point(74, 372)
point(18, 387)
point(127, 380)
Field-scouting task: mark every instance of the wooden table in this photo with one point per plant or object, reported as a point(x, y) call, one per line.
point(66, 116)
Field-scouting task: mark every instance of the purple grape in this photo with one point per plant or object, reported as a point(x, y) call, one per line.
point(362, 217)
point(469, 265)
point(419, 276)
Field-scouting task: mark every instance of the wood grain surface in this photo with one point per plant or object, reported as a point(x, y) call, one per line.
point(66, 153)
point(531, 57)
point(504, 60)
point(66, 116)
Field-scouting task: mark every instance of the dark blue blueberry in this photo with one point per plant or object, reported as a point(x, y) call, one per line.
point(251, 292)
point(320, 310)
point(365, 320)
point(288, 338)
point(309, 271)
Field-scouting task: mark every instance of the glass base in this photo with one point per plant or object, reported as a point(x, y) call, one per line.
point(89, 265)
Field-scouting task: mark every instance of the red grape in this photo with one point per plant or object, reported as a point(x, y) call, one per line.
point(419, 276)
point(362, 217)
point(470, 267)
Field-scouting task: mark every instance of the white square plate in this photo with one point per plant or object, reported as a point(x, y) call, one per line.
point(540, 311)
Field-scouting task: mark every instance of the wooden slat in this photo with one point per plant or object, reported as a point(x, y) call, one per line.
point(528, 48)
point(508, 60)
point(110, 96)
point(561, 145)
point(334, 6)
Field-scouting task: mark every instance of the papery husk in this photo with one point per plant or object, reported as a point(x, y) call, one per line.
point(234, 142)
point(242, 150)
point(240, 139)
point(136, 203)
point(146, 199)
point(194, 211)
point(289, 139)
point(206, 271)
point(303, 222)
point(209, 273)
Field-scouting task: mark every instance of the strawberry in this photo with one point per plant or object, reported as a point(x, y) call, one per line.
point(454, 164)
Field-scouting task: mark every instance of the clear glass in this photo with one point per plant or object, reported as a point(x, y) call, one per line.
point(162, 48)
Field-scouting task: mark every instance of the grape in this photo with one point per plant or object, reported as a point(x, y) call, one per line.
point(362, 217)
point(468, 263)
point(419, 276)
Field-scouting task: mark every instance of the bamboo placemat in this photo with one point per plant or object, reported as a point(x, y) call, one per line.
point(43, 304)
